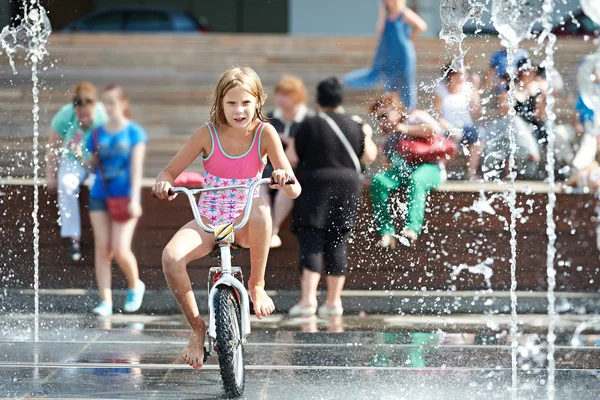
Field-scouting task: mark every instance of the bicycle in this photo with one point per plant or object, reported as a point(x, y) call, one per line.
point(228, 301)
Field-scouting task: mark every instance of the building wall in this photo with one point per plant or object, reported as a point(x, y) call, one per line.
point(5, 13)
point(260, 16)
point(297, 17)
point(333, 17)
point(358, 17)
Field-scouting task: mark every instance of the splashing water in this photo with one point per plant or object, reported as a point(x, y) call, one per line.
point(510, 19)
point(550, 225)
point(482, 268)
point(454, 15)
point(514, 19)
point(482, 205)
point(593, 323)
point(31, 35)
point(511, 200)
point(591, 8)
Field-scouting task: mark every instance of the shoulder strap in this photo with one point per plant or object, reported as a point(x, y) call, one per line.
point(258, 139)
point(96, 142)
point(344, 141)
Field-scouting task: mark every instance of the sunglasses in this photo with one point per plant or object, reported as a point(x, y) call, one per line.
point(383, 116)
point(83, 102)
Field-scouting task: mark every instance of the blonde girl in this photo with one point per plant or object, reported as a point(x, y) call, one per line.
point(234, 145)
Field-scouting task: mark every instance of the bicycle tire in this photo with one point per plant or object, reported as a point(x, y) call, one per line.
point(230, 347)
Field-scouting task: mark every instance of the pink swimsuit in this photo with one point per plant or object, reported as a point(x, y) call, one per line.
point(221, 169)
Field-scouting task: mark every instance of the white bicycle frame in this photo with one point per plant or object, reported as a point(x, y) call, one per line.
point(227, 277)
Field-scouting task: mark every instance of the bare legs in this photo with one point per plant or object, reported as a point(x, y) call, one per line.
point(309, 283)
point(113, 239)
point(474, 159)
point(260, 226)
point(187, 245)
point(335, 286)
point(101, 226)
point(281, 207)
point(191, 243)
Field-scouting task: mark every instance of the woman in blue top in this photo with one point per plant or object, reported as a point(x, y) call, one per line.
point(118, 154)
point(395, 62)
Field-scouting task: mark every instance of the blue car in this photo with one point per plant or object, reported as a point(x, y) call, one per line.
point(139, 20)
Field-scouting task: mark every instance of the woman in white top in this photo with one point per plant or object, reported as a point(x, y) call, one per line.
point(457, 103)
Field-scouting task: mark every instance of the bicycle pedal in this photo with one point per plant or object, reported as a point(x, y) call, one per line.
point(216, 251)
point(235, 249)
point(206, 354)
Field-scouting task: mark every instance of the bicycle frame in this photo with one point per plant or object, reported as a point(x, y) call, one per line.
point(224, 243)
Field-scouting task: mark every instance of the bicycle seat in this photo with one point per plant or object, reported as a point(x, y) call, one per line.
point(216, 253)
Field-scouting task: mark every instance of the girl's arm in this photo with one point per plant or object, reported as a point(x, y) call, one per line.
point(137, 165)
point(271, 147)
point(380, 19)
point(370, 148)
point(54, 142)
point(437, 104)
point(424, 127)
point(418, 24)
point(475, 103)
point(90, 164)
point(198, 143)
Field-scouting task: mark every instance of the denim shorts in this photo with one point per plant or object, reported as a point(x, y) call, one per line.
point(470, 134)
point(97, 205)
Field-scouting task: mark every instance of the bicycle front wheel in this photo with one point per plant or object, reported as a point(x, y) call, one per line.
point(230, 346)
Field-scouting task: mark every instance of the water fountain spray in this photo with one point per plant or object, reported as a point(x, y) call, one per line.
point(454, 15)
point(514, 19)
point(548, 64)
point(32, 36)
point(591, 8)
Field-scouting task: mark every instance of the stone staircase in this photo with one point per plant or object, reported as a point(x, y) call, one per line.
point(169, 78)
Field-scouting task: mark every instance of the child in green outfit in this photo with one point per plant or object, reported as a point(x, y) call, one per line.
point(417, 180)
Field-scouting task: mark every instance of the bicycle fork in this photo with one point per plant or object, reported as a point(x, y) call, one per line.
point(228, 279)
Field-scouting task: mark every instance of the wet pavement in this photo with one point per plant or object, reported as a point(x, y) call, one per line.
point(354, 357)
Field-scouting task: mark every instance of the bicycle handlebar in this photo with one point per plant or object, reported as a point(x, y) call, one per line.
point(191, 192)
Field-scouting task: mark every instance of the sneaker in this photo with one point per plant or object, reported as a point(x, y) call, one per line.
point(104, 309)
point(326, 311)
point(387, 241)
point(134, 298)
point(299, 311)
point(409, 235)
point(275, 241)
point(74, 253)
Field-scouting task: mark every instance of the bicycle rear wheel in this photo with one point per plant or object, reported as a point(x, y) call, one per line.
point(230, 347)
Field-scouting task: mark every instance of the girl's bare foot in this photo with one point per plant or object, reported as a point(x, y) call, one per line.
point(263, 305)
point(193, 354)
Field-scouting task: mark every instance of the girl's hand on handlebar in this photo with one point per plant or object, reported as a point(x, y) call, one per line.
point(162, 190)
point(280, 178)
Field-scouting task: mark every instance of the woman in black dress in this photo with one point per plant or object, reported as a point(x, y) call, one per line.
point(290, 111)
point(330, 147)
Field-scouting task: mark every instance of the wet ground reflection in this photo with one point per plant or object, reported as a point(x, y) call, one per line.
point(352, 357)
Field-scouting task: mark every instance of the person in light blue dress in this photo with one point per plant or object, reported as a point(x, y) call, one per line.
point(395, 61)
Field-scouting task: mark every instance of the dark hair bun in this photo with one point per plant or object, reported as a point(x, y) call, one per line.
point(330, 92)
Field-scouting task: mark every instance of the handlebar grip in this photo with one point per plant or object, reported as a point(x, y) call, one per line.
point(171, 193)
point(290, 181)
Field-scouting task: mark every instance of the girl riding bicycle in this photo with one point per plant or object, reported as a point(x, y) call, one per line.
point(234, 145)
